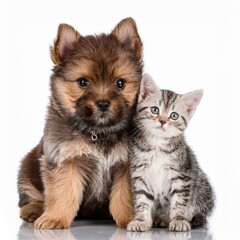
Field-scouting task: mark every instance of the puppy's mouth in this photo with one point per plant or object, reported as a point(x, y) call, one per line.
point(107, 119)
point(102, 125)
point(103, 119)
point(104, 122)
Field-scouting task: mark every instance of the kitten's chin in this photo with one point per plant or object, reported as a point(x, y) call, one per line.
point(160, 132)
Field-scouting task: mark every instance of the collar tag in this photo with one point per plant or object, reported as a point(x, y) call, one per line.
point(94, 136)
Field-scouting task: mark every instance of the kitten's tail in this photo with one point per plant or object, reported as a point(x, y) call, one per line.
point(198, 221)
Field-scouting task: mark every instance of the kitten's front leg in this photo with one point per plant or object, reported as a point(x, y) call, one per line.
point(180, 210)
point(64, 186)
point(179, 224)
point(143, 204)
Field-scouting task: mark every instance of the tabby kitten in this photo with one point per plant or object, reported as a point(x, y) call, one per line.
point(169, 188)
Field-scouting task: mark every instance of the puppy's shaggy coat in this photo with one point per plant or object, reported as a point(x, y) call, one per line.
point(81, 163)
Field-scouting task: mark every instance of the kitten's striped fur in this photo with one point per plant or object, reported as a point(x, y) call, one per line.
point(168, 185)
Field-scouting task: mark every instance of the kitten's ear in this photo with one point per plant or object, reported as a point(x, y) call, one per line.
point(127, 33)
point(148, 87)
point(191, 100)
point(67, 36)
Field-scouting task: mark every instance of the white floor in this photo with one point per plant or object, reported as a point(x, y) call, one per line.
point(12, 228)
point(91, 230)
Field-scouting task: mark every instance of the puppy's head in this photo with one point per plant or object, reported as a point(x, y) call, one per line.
point(96, 79)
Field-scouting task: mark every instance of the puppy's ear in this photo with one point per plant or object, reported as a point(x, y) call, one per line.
point(126, 32)
point(67, 36)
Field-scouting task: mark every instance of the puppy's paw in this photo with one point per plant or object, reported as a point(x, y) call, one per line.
point(138, 226)
point(179, 224)
point(123, 222)
point(51, 222)
point(31, 212)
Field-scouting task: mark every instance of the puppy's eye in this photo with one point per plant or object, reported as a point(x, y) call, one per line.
point(120, 83)
point(154, 110)
point(82, 82)
point(174, 116)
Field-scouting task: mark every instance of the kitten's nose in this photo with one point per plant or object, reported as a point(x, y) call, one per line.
point(103, 105)
point(162, 122)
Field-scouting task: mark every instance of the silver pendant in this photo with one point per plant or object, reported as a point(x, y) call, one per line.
point(94, 136)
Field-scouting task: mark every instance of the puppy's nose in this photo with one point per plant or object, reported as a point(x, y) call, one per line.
point(103, 105)
point(162, 122)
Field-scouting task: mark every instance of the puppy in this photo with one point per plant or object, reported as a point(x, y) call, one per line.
point(81, 163)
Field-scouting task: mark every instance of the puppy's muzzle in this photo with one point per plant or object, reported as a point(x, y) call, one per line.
point(103, 105)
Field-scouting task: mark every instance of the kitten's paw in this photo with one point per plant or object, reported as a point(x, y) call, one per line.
point(138, 226)
point(179, 224)
point(51, 222)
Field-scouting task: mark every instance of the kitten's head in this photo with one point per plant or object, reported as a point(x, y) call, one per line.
point(163, 112)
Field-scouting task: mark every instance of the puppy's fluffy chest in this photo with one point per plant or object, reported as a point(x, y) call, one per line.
point(59, 151)
point(95, 155)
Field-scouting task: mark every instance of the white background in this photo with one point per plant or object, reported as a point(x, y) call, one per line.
point(187, 45)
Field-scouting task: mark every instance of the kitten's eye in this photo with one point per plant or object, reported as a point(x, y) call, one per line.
point(120, 83)
point(174, 116)
point(154, 110)
point(82, 82)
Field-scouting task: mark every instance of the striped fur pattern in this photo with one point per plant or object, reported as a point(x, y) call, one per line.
point(169, 187)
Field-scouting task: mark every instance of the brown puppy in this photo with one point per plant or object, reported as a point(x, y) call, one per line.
point(81, 163)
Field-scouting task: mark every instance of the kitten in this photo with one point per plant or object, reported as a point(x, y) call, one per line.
point(168, 185)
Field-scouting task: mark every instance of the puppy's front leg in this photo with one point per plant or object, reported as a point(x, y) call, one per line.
point(64, 186)
point(121, 202)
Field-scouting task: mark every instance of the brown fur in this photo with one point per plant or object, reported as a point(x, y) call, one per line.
point(64, 193)
point(121, 197)
point(30, 186)
point(68, 170)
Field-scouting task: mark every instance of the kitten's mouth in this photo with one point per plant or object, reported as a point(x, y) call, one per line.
point(161, 128)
